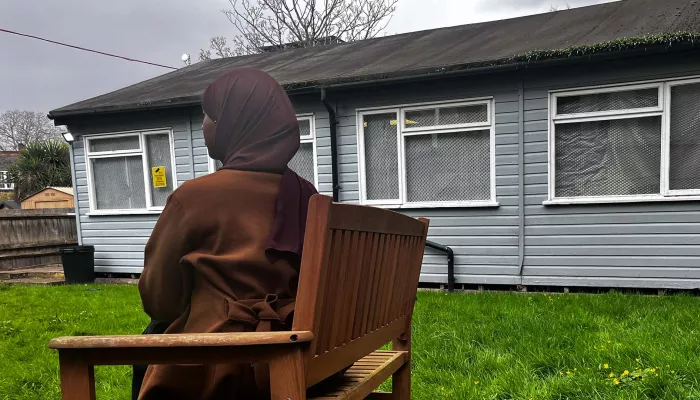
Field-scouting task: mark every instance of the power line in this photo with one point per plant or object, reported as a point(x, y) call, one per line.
point(84, 49)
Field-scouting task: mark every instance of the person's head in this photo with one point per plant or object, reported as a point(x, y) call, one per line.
point(249, 122)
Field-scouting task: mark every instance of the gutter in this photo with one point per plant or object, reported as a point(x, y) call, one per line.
point(76, 200)
point(521, 179)
point(333, 121)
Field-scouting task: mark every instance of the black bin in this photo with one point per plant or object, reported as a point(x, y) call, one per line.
point(78, 264)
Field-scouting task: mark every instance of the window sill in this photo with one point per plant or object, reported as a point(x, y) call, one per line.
point(618, 200)
point(123, 212)
point(410, 206)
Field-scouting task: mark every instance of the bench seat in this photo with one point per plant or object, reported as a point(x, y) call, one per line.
point(362, 378)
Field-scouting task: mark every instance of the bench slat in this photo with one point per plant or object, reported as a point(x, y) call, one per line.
point(358, 383)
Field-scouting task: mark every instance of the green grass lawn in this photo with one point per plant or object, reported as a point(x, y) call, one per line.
point(466, 346)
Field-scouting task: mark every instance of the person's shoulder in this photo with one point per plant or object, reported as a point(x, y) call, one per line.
point(224, 183)
point(195, 188)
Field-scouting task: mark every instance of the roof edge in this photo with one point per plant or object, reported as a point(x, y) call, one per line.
point(617, 48)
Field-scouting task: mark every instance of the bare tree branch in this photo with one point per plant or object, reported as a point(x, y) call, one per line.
point(279, 24)
point(24, 127)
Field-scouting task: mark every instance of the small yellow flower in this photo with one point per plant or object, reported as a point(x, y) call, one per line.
point(606, 366)
point(668, 366)
point(575, 369)
point(442, 388)
point(653, 370)
point(638, 360)
point(609, 341)
point(612, 375)
point(568, 372)
point(625, 373)
point(476, 382)
point(616, 381)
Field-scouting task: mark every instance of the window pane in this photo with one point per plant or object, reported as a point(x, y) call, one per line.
point(446, 116)
point(158, 147)
point(305, 127)
point(685, 137)
point(3, 180)
point(608, 158)
point(448, 166)
point(218, 164)
point(631, 99)
point(114, 144)
point(118, 183)
point(303, 162)
point(381, 157)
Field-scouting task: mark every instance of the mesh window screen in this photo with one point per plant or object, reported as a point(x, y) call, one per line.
point(305, 127)
point(446, 116)
point(118, 183)
point(608, 158)
point(303, 162)
point(448, 166)
point(381, 157)
point(685, 138)
point(631, 99)
point(158, 147)
point(114, 144)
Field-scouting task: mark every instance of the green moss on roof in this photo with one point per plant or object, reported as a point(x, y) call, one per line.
point(617, 45)
point(666, 40)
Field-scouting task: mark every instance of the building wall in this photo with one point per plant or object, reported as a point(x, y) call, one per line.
point(653, 245)
point(618, 245)
point(119, 240)
point(485, 240)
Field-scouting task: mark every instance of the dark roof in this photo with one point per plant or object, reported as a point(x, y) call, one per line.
point(10, 205)
point(416, 53)
point(7, 158)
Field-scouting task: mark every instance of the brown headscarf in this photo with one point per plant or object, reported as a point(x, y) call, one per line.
point(257, 130)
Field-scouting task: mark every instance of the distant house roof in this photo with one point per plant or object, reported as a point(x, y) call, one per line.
point(466, 47)
point(7, 158)
point(66, 190)
point(10, 205)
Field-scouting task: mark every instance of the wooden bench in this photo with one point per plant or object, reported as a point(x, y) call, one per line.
point(357, 289)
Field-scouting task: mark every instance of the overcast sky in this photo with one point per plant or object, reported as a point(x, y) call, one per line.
point(40, 76)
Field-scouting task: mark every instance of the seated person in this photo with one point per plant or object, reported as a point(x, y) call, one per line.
point(224, 255)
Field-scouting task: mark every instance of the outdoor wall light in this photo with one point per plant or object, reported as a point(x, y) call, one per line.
point(68, 137)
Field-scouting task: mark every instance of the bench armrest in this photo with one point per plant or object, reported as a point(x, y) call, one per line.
point(199, 340)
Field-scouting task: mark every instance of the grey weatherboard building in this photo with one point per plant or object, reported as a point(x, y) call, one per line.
point(536, 165)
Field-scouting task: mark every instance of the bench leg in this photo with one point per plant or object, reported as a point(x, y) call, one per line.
point(287, 380)
point(77, 379)
point(401, 383)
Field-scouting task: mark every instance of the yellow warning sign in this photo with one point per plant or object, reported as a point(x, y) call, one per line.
point(158, 174)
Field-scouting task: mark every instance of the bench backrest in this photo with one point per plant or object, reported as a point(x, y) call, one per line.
point(358, 282)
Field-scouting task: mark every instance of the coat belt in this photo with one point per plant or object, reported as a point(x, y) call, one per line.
point(261, 313)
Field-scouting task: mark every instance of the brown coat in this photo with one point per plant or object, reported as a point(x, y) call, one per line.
point(206, 269)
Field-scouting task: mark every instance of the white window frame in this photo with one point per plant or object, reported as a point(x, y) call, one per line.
point(402, 132)
point(663, 110)
point(141, 151)
point(311, 138)
point(4, 185)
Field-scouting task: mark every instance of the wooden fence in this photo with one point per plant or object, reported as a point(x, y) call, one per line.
point(33, 237)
